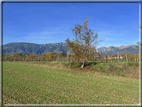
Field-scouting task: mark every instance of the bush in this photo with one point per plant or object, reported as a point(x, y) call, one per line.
point(74, 64)
point(111, 67)
point(133, 64)
point(130, 64)
point(89, 64)
point(137, 64)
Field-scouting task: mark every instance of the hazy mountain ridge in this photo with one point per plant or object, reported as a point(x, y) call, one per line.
point(23, 47)
point(131, 49)
point(33, 48)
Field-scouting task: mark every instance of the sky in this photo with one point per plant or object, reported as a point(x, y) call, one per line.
point(117, 24)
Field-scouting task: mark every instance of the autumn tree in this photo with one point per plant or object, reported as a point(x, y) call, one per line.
point(84, 43)
point(31, 56)
point(49, 56)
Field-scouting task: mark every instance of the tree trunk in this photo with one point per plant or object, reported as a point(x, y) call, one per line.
point(82, 64)
point(118, 56)
point(38, 57)
point(101, 57)
point(126, 58)
point(106, 57)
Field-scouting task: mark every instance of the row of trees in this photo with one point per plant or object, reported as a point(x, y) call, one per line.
point(69, 57)
point(30, 57)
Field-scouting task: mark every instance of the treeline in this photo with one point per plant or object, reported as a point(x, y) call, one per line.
point(70, 57)
point(31, 57)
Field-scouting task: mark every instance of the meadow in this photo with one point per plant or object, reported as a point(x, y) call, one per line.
point(33, 83)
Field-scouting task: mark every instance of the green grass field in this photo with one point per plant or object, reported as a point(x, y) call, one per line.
point(32, 84)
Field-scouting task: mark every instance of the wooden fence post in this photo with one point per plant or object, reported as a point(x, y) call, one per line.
point(58, 58)
point(106, 57)
point(101, 57)
point(39, 57)
point(118, 56)
point(126, 58)
point(110, 56)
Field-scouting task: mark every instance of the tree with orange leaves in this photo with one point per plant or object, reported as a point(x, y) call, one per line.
point(49, 56)
point(84, 43)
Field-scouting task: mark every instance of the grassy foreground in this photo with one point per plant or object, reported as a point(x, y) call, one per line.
point(32, 84)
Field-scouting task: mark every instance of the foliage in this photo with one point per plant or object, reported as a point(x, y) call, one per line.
point(74, 64)
point(49, 56)
point(130, 69)
point(84, 43)
point(133, 64)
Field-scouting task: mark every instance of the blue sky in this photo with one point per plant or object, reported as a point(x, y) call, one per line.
point(42, 23)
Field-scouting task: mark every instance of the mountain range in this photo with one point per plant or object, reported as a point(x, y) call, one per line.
point(130, 49)
point(23, 47)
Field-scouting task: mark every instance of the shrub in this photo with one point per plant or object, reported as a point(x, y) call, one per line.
point(133, 64)
point(74, 64)
point(130, 64)
point(111, 67)
point(137, 64)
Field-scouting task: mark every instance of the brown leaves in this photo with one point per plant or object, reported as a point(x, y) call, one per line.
point(82, 45)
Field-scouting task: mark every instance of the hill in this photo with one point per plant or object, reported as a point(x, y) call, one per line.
point(36, 49)
point(33, 48)
point(131, 49)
